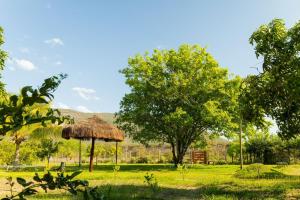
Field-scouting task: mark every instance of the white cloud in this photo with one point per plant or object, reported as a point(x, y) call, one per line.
point(58, 63)
point(62, 106)
point(25, 64)
point(83, 109)
point(54, 42)
point(86, 93)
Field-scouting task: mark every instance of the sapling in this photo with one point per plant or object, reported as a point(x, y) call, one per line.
point(116, 169)
point(152, 182)
point(183, 170)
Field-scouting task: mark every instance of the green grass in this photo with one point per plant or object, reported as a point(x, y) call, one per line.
point(200, 182)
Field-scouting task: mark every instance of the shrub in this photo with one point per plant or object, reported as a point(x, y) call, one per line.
point(183, 170)
point(152, 182)
point(221, 162)
point(255, 170)
point(142, 160)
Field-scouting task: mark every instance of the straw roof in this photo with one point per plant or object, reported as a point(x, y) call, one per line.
point(93, 127)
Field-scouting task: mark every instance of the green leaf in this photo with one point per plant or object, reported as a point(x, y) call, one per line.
point(22, 181)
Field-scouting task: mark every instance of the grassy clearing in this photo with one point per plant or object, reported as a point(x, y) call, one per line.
point(200, 182)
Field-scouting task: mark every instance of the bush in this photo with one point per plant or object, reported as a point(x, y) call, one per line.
point(255, 170)
point(142, 160)
point(163, 159)
point(221, 162)
point(133, 160)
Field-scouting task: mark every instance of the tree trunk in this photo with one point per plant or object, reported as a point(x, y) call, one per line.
point(48, 161)
point(92, 155)
point(178, 153)
point(17, 154)
point(241, 147)
point(289, 155)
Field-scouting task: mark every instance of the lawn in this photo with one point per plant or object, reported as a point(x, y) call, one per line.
point(198, 182)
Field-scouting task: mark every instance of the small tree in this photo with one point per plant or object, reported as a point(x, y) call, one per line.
point(47, 148)
point(68, 149)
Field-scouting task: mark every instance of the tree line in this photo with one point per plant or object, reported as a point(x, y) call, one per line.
point(177, 96)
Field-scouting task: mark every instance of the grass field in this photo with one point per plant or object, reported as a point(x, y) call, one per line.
point(198, 182)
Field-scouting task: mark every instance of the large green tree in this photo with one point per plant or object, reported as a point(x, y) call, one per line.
point(176, 97)
point(277, 86)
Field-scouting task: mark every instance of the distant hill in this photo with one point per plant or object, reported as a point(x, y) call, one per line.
point(78, 116)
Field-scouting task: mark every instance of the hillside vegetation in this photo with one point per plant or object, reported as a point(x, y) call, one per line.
point(78, 116)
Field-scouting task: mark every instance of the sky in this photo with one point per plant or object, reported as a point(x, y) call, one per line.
point(92, 40)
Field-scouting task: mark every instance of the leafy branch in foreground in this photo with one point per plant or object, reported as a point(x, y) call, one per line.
point(15, 111)
point(47, 182)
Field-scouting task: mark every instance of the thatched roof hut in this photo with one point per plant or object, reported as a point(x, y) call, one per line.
point(93, 128)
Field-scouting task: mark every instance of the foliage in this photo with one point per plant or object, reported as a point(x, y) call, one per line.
point(176, 97)
point(15, 112)
point(46, 149)
point(68, 149)
point(21, 136)
point(269, 149)
point(98, 193)
point(206, 181)
point(152, 182)
point(3, 57)
point(116, 169)
point(142, 160)
point(52, 132)
point(47, 182)
point(27, 152)
point(183, 170)
point(6, 152)
point(233, 150)
point(277, 87)
point(252, 171)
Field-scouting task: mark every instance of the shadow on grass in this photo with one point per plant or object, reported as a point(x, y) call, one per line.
point(134, 192)
point(272, 174)
point(131, 167)
point(104, 167)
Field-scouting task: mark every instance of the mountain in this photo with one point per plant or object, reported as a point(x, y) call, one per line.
point(78, 116)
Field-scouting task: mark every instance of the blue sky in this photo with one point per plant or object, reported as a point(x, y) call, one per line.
point(92, 40)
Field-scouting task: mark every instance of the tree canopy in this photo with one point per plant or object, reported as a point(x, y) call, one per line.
point(177, 96)
point(277, 87)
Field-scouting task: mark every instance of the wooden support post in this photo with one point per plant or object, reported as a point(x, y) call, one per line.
point(92, 155)
point(241, 147)
point(116, 153)
point(205, 157)
point(79, 161)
